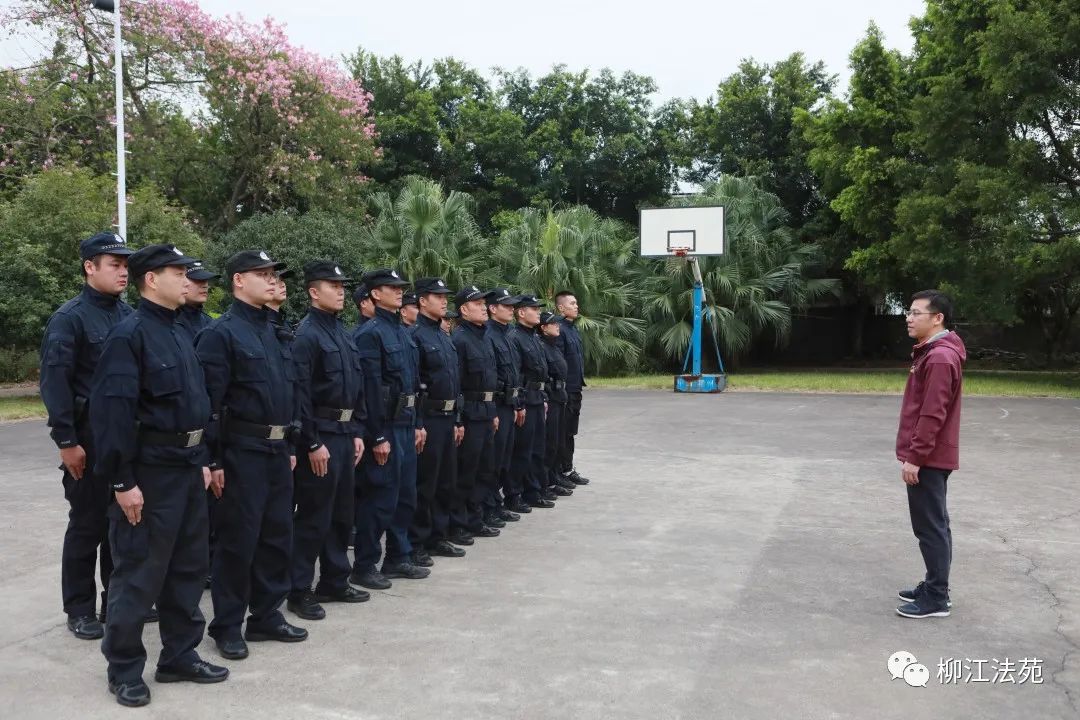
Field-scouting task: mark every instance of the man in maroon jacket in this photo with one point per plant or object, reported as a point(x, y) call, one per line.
point(928, 445)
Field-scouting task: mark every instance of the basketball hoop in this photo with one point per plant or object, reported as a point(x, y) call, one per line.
point(680, 251)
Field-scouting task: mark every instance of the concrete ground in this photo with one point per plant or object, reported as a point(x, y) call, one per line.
point(735, 556)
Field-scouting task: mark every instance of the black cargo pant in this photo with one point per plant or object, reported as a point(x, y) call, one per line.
point(254, 541)
point(495, 464)
point(555, 432)
point(323, 520)
point(436, 481)
point(474, 486)
point(930, 523)
point(86, 537)
point(163, 559)
point(527, 463)
point(570, 429)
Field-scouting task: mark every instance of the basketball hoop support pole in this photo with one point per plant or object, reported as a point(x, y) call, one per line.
point(696, 382)
point(699, 302)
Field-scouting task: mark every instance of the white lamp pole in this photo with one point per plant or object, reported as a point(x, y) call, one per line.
point(113, 6)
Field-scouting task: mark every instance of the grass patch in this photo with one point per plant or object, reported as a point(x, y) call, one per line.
point(21, 408)
point(888, 381)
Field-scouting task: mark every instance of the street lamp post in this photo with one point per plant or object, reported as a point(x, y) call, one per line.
point(113, 6)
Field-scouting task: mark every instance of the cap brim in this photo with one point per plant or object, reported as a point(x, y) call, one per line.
point(183, 260)
point(200, 275)
point(506, 300)
point(329, 278)
point(436, 291)
point(391, 283)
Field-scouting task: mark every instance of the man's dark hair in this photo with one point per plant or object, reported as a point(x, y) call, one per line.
point(938, 302)
point(96, 260)
point(559, 296)
point(140, 281)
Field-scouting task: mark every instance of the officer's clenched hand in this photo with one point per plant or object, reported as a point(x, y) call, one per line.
point(292, 463)
point(519, 417)
point(320, 461)
point(74, 459)
point(131, 502)
point(358, 451)
point(545, 410)
point(421, 439)
point(495, 423)
point(206, 478)
point(382, 452)
point(217, 482)
point(459, 434)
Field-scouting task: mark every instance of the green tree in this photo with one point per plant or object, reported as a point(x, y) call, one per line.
point(546, 251)
point(751, 291)
point(40, 230)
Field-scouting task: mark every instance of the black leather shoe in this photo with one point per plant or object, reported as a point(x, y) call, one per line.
point(282, 633)
point(494, 521)
point(442, 548)
point(541, 503)
point(520, 506)
point(348, 595)
point(87, 627)
point(461, 539)
point(152, 616)
point(561, 491)
point(232, 649)
point(509, 516)
point(420, 558)
point(199, 671)
point(303, 604)
point(372, 580)
point(130, 694)
point(577, 479)
point(548, 495)
point(404, 570)
point(486, 532)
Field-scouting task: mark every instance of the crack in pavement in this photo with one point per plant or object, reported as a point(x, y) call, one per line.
point(1055, 606)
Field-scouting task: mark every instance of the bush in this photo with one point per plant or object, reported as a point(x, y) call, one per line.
point(17, 365)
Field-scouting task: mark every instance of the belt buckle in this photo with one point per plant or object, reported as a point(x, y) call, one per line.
point(277, 432)
point(489, 396)
point(410, 401)
point(194, 438)
point(447, 405)
point(345, 415)
point(515, 393)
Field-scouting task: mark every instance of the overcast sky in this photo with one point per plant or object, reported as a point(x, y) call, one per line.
point(687, 47)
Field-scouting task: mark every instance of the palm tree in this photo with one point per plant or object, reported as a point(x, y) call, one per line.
point(546, 251)
point(424, 232)
point(749, 291)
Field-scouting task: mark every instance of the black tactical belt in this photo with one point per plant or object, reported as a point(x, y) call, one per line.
point(534, 386)
point(188, 439)
point(339, 414)
point(439, 406)
point(479, 396)
point(507, 397)
point(255, 430)
point(558, 385)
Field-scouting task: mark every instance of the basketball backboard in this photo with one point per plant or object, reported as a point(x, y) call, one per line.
point(689, 230)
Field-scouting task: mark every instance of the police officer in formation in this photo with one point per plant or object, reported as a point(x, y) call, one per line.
point(502, 503)
point(251, 379)
point(569, 341)
point(181, 404)
point(70, 349)
point(193, 319)
point(478, 372)
point(149, 407)
point(331, 444)
point(556, 407)
point(410, 308)
point(394, 435)
point(436, 474)
point(528, 481)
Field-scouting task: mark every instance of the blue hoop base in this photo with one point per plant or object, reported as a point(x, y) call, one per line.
point(700, 383)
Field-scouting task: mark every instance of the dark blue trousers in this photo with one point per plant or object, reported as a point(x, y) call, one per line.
point(324, 518)
point(930, 523)
point(436, 479)
point(495, 465)
point(388, 502)
point(86, 538)
point(474, 486)
point(254, 541)
point(528, 459)
point(163, 559)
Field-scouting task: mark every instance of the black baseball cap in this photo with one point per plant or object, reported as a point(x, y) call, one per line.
point(199, 273)
point(409, 298)
point(501, 296)
point(361, 293)
point(153, 257)
point(248, 260)
point(431, 286)
point(467, 293)
point(104, 243)
point(383, 276)
point(323, 270)
point(528, 301)
point(547, 317)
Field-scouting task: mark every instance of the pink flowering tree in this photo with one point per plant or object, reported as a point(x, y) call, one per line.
point(228, 116)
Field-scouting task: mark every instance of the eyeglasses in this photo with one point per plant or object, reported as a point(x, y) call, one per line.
point(913, 313)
